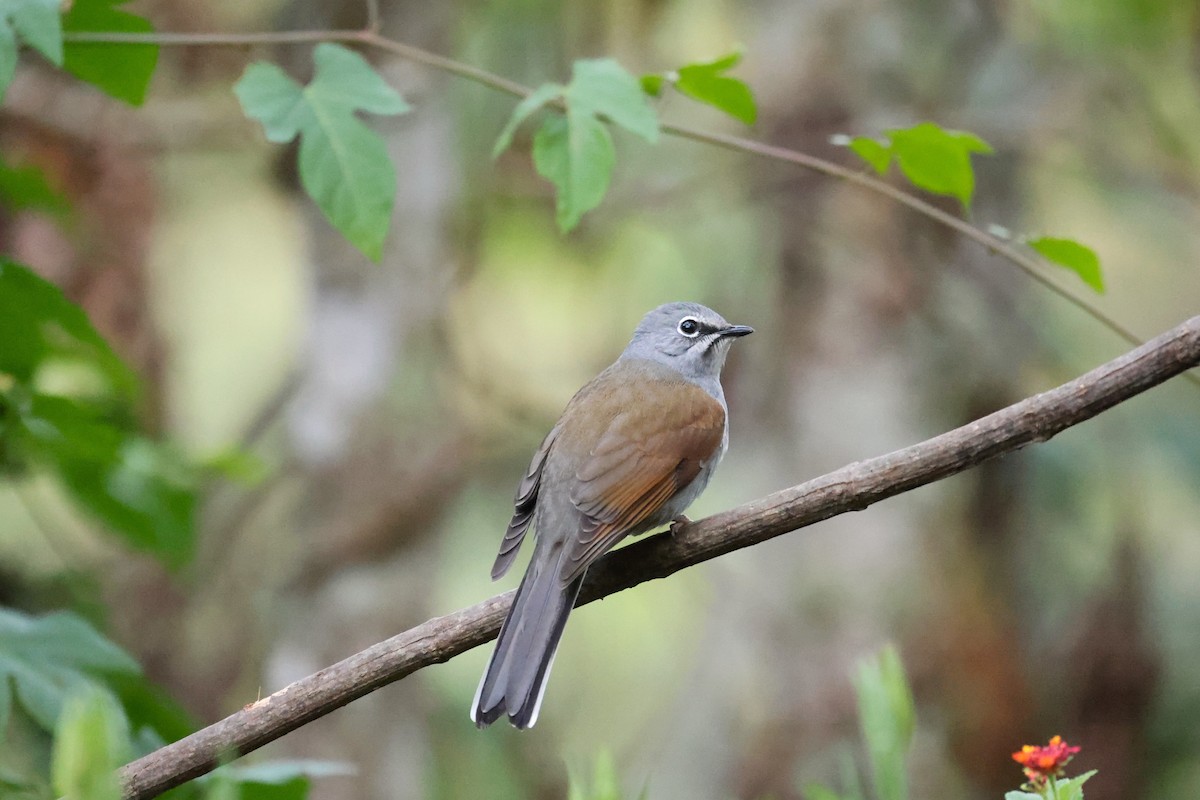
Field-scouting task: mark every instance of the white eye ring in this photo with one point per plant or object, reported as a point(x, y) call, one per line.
point(689, 327)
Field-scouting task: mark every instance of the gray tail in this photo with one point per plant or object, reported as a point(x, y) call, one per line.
point(515, 678)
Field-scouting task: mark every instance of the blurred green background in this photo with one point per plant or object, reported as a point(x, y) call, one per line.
point(396, 405)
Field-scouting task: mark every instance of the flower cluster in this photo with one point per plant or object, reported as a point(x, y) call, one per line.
point(1043, 763)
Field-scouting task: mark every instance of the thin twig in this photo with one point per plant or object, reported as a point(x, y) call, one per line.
point(374, 18)
point(170, 39)
point(852, 488)
point(370, 37)
point(1029, 266)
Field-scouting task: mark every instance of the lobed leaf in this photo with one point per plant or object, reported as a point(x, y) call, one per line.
point(601, 87)
point(121, 70)
point(1079, 258)
point(344, 166)
point(574, 151)
point(269, 95)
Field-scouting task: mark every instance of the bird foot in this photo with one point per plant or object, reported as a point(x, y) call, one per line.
point(679, 523)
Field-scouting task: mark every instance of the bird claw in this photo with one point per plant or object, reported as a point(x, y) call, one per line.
point(679, 523)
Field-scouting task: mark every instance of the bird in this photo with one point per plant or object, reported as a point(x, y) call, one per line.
point(633, 448)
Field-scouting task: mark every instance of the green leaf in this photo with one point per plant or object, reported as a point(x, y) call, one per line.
point(575, 151)
point(45, 659)
point(295, 789)
point(1080, 780)
point(878, 155)
point(346, 169)
point(576, 154)
point(26, 187)
point(37, 322)
point(343, 165)
point(604, 778)
point(704, 82)
point(121, 70)
point(143, 491)
point(1018, 795)
point(542, 95)
point(1079, 258)
point(601, 87)
point(887, 717)
point(604, 784)
point(238, 465)
point(1071, 788)
point(938, 160)
point(652, 83)
point(91, 742)
point(274, 99)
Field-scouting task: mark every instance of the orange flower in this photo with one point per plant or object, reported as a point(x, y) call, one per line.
point(1043, 763)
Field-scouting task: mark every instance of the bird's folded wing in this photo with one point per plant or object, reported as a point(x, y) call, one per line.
point(523, 507)
point(647, 453)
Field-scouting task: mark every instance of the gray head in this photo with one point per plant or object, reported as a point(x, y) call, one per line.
point(689, 337)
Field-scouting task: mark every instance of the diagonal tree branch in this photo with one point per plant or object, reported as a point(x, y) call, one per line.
point(850, 488)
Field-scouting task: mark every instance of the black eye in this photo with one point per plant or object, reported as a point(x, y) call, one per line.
point(689, 327)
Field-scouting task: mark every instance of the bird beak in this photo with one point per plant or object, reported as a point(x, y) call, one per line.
point(734, 331)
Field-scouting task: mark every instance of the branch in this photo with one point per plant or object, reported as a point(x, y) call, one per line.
point(369, 37)
point(851, 488)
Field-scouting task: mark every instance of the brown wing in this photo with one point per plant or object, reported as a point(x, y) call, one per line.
point(648, 452)
point(523, 506)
